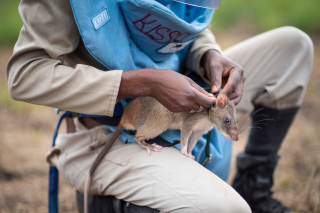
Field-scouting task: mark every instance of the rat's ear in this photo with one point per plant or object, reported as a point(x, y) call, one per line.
point(221, 101)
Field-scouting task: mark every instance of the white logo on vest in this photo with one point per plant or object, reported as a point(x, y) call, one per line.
point(174, 47)
point(100, 19)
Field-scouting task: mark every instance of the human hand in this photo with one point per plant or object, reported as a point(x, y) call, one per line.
point(175, 91)
point(221, 71)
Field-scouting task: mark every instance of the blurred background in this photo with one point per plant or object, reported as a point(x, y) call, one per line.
point(26, 130)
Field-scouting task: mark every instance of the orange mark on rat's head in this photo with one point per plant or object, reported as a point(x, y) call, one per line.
point(221, 101)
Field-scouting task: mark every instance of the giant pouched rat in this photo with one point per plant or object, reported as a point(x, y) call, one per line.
point(150, 118)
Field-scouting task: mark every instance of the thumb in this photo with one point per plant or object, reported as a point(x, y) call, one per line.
point(204, 100)
point(200, 89)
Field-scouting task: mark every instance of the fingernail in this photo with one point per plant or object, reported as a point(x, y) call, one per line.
point(214, 88)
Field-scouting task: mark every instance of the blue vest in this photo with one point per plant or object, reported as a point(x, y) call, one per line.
point(136, 34)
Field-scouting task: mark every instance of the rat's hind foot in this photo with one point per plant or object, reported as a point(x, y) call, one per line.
point(156, 146)
point(148, 147)
point(187, 155)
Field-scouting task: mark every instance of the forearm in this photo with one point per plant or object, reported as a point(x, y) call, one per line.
point(37, 79)
point(136, 83)
point(143, 82)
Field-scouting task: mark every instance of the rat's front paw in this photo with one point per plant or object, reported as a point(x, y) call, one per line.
point(187, 155)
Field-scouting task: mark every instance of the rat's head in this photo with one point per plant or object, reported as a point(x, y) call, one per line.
point(223, 115)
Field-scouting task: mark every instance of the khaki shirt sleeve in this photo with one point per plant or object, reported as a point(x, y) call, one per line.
point(37, 72)
point(204, 42)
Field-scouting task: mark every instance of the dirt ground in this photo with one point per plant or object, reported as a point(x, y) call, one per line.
point(26, 132)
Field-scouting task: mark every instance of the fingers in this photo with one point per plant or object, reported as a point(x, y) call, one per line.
point(193, 107)
point(234, 86)
point(181, 94)
point(201, 97)
point(236, 96)
point(214, 68)
point(237, 100)
point(200, 89)
point(197, 99)
point(203, 100)
point(214, 72)
point(218, 68)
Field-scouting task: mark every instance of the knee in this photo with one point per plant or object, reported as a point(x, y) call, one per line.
point(228, 202)
point(239, 205)
point(292, 37)
point(233, 204)
point(298, 49)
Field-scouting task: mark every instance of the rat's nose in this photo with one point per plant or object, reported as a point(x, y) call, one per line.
point(234, 135)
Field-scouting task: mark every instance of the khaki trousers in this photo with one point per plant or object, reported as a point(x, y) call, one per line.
point(277, 66)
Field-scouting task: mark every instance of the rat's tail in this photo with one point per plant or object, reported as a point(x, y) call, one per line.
point(96, 162)
point(86, 194)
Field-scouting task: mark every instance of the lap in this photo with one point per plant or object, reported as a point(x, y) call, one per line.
point(166, 180)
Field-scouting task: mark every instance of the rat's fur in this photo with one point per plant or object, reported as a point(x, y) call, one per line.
point(150, 118)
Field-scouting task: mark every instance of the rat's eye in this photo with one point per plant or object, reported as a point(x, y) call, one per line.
point(226, 121)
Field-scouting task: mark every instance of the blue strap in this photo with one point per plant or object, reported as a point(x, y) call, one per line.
point(53, 189)
point(54, 173)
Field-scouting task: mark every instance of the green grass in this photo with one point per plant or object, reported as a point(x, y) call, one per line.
point(264, 15)
point(259, 15)
point(10, 21)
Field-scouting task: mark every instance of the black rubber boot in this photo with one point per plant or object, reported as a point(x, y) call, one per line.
point(109, 204)
point(256, 166)
point(254, 181)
